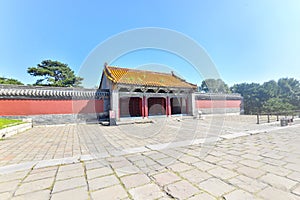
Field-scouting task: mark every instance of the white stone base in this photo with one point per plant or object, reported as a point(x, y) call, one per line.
point(10, 131)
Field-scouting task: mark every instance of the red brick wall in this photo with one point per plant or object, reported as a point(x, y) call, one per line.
point(218, 103)
point(11, 107)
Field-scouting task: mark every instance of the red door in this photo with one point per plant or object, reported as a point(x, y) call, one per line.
point(157, 106)
point(135, 107)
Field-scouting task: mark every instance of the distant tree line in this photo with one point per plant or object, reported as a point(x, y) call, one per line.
point(269, 97)
point(10, 81)
point(51, 73)
point(214, 86)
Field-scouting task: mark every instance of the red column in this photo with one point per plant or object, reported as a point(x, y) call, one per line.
point(168, 107)
point(146, 106)
point(181, 99)
point(164, 105)
point(186, 105)
point(143, 107)
point(119, 106)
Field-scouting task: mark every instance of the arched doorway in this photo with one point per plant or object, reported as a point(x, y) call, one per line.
point(156, 106)
point(130, 107)
point(178, 105)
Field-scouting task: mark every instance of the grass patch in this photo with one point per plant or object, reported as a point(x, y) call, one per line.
point(4, 123)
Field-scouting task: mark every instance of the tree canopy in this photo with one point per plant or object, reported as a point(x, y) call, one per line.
point(271, 96)
point(54, 73)
point(10, 81)
point(276, 104)
point(214, 86)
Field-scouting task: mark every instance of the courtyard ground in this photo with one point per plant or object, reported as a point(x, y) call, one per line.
point(174, 158)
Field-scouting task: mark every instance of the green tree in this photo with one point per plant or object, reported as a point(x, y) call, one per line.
point(277, 105)
point(251, 93)
point(289, 91)
point(214, 86)
point(10, 81)
point(271, 96)
point(55, 73)
point(271, 89)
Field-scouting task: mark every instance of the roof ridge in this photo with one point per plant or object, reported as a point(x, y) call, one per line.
point(119, 72)
point(109, 74)
point(141, 70)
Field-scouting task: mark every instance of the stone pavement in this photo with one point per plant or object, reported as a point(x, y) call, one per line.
point(171, 159)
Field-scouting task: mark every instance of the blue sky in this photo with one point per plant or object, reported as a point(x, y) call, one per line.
point(248, 41)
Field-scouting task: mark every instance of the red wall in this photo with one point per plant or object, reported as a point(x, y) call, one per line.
point(218, 103)
point(10, 107)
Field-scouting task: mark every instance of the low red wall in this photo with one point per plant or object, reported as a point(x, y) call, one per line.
point(218, 103)
point(11, 107)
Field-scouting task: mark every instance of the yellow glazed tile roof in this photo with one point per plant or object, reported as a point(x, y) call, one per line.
point(147, 78)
